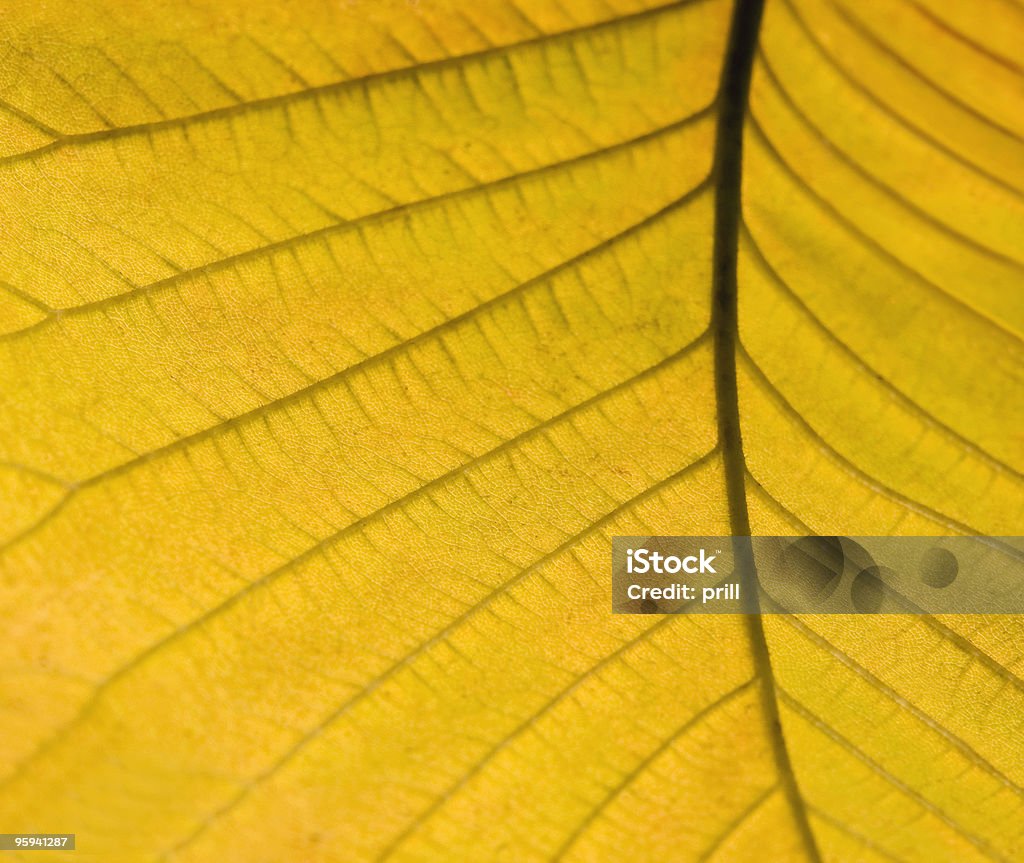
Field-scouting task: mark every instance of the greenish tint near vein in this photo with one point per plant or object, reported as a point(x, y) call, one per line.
point(733, 95)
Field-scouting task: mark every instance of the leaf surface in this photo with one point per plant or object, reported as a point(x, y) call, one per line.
point(338, 340)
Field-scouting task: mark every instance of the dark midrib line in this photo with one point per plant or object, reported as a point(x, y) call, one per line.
point(733, 91)
point(733, 94)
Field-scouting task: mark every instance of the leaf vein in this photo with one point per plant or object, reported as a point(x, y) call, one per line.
point(867, 369)
point(281, 100)
point(321, 545)
point(815, 721)
point(314, 733)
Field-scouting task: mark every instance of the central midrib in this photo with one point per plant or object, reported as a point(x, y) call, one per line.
point(733, 94)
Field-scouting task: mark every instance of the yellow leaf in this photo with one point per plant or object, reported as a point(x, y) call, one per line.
point(337, 340)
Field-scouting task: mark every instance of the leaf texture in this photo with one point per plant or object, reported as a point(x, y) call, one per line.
point(338, 340)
